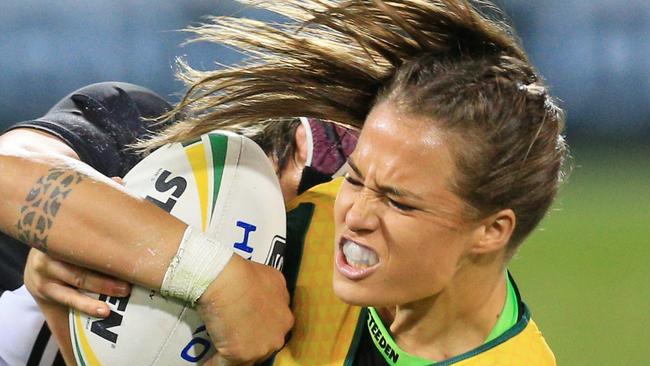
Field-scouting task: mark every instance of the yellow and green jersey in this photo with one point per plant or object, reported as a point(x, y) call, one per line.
point(324, 325)
point(328, 331)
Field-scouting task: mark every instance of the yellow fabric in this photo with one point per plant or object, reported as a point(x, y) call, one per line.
point(526, 348)
point(324, 325)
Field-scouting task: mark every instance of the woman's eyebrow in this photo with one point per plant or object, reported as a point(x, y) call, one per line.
point(385, 189)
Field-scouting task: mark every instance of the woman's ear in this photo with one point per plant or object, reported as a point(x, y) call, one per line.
point(301, 152)
point(291, 174)
point(495, 231)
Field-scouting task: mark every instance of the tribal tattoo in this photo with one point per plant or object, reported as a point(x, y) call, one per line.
point(42, 205)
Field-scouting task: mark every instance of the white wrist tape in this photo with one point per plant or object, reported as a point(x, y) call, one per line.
point(198, 261)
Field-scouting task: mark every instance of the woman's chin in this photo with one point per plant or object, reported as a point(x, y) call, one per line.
point(348, 294)
point(353, 293)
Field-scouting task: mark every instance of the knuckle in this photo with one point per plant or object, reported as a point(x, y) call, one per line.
point(46, 288)
point(106, 286)
point(291, 321)
point(287, 297)
point(39, 265)
point(236, 352)
point(51, 292)
point(41, 289)
point(80, 279)
point(281, 280)
point(278, 280)
point(36, 289)
point(278, 343)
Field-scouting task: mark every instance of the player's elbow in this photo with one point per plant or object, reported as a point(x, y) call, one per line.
point(22, 141)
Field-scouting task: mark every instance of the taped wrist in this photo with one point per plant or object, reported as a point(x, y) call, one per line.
point(198, 261)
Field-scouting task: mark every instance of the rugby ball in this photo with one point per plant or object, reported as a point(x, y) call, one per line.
point(222, 183)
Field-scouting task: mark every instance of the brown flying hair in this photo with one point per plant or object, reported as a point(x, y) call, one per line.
point(451, 61)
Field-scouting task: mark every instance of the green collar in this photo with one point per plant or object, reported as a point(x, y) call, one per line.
point(386, 345)
point(509, 314)
point(395, 356)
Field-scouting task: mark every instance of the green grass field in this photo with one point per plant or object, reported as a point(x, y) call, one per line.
point(584, 272)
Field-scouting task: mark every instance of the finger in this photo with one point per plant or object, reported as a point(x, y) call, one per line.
point(88, 280)
point(119, 180)
point(72, 298)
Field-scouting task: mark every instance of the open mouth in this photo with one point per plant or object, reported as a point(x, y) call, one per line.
point(359, 256)
point(354, 260)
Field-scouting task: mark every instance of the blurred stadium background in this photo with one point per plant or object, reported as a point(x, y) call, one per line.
point(584, 272)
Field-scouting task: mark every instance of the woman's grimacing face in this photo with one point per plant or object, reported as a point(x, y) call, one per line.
point(400, 235)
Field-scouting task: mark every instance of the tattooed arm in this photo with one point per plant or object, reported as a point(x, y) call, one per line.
point(49, 280)
point(49, 171)
point(57, 204)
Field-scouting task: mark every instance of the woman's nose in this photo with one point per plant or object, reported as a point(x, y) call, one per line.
point(362, 215)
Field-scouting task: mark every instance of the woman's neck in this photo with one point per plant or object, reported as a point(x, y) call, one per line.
point(454, 321)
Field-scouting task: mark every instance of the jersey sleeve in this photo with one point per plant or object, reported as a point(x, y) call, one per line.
point(100, 121)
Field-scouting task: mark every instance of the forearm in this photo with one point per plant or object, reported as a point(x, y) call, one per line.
point(64, 207)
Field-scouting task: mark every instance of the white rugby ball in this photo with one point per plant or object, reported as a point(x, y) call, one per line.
point(222, 183)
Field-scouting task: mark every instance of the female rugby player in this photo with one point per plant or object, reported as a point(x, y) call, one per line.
point(459, 158)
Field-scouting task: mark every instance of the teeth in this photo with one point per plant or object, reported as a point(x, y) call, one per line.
point(358, 256)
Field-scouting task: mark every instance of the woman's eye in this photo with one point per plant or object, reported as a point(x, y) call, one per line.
point(400, 206)
point(352, 180)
